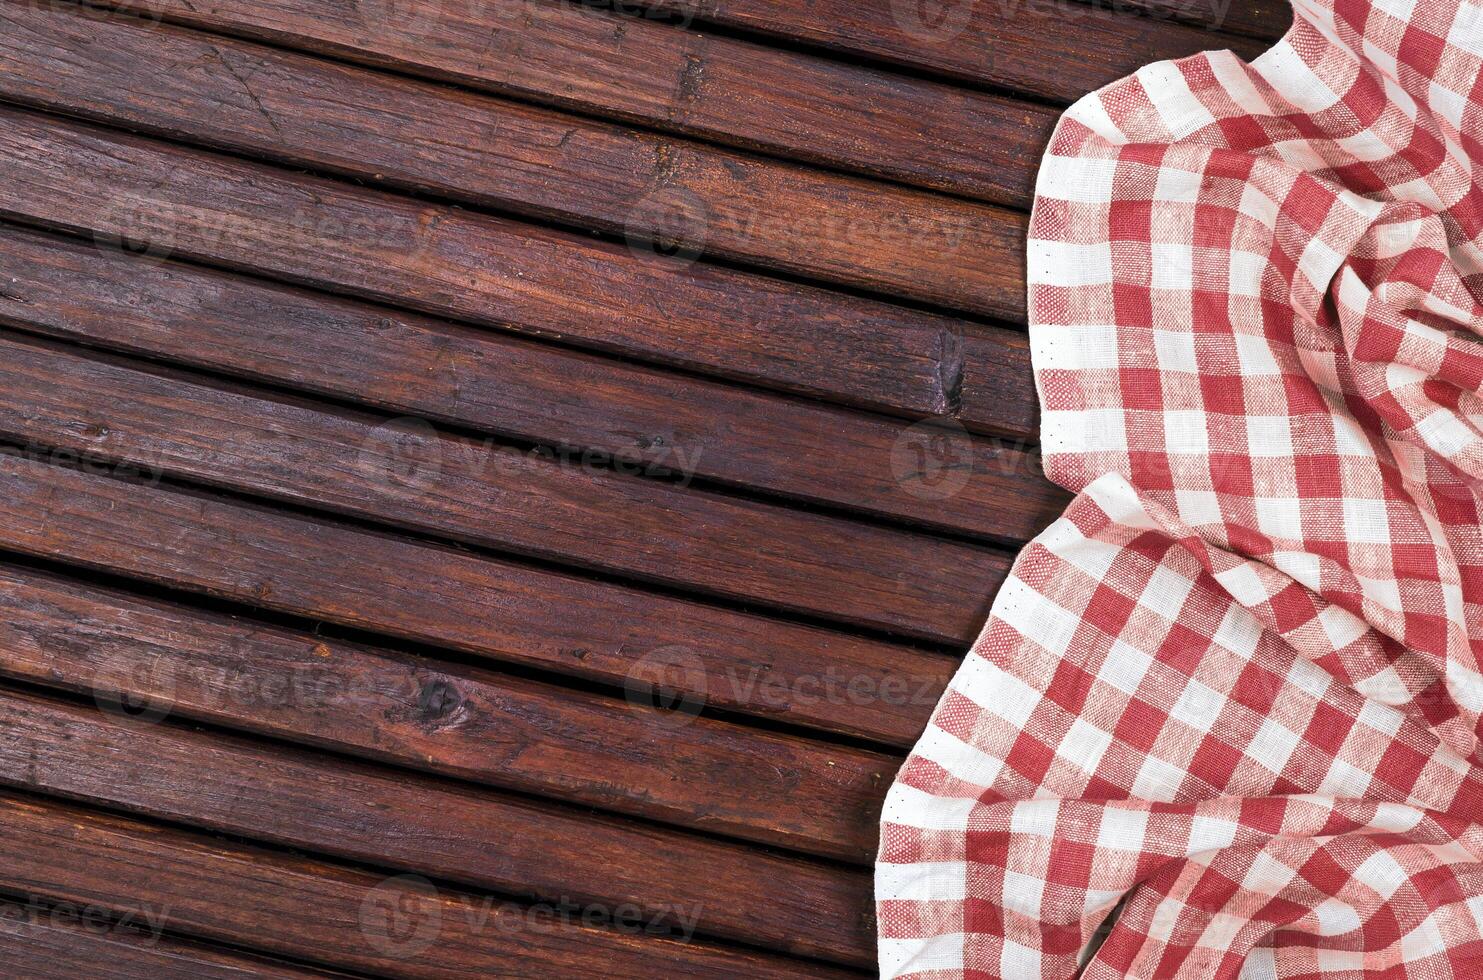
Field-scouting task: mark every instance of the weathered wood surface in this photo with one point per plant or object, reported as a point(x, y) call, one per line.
point(326, 913)
point(398, 133)
point(1266, 20)
point(623, 755)
point(648, 419)
point(1057, 49)
point(415, 825)
point(366, 579)
point(494, 495)
point(487, 270)
point(70, 940)
point(763, 468)
point(734, 92)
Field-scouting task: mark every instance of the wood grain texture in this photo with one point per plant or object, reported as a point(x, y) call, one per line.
point(324, 570)
point(398, 133)
point(998, 394)
point(1058, 50)
point(327, 913)
point(510, 387)
point(492, 495)
point(64, 942)
point(416, 825)
point(490, 271)
point(1266, 20)
point(732, 92)
point(623, 756)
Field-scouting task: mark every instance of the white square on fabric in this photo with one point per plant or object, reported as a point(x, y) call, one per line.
point(1255, 204)
point(1157, 781)
point(922, 880)
point(1267, 874)
point(1467, 30)
point(1365, 521)
point(1084, 745)
point(1085, 180)
point(1123, 829)
point(1166, 592)
point(1446, 103)
point(1239, 632)
point(1349, 438)
point(1124, 667)
point(1186, 433)
point(1254, 355)
point(1465, 684)
point(1279, 517)
point(1176, 186)
point(1399, 9)
point(1036, 617)
point(1104, 430)
point(1260, 964)
point(1065, 540)
point(941, 952)
point(1272, 745)
point(1175, 351)
point(1197, 706)
point(1198, 508)
point(1177, 106)
point(1019, 961)
point(996, 690)
point(1247, 272)
point(1318, 263)
point(1382, 874)
point(1269, 436)
point(1211, 833)
point(1382, 718)
point(1024, 893)
point(1035, 818)
point(963, 759)
point(1344, 781)
point(1244, 584)
point(1381, 591)
point(1069, 263)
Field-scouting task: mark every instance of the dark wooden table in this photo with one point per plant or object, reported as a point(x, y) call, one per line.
point(495, 487)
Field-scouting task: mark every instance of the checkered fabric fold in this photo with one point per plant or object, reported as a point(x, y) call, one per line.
point(1225, 718)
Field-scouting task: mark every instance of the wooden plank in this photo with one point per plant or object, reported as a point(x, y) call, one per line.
point(65, 942)
point(1059, 50)
point(409, 135)
point(1264, 19)
point(501, 731)
point(492, 495)
point(734, 92)
point(359, 813)
point(510, 387)
point(998, 394)
point(328, 914)
point(324, 570)
point(490, 271)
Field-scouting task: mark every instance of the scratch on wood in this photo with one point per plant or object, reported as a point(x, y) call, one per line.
point(248, 89)
point(688, 90)
point(950, 371)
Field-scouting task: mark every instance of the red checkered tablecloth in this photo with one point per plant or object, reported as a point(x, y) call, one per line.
point(1224, 720)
